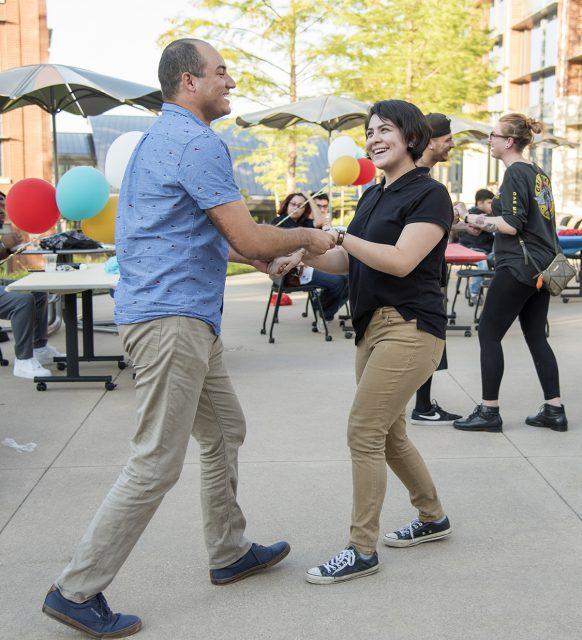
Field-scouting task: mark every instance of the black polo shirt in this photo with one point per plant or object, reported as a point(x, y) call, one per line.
point(380, 217)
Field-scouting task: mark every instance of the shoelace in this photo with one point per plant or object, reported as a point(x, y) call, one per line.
point(106, 612)
point(410, 528)
point(344, 558)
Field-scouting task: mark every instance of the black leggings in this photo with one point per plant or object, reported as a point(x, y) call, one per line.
point(508, 299)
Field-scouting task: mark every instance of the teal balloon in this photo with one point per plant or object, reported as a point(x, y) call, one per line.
point(360, 153)
point(82, 193)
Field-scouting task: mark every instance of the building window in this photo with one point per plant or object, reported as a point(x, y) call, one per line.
point(495, 103)
point(496, 16)
point(551, 45)
point(456, 172)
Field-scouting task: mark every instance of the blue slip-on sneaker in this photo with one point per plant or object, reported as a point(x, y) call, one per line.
point(347, 565)
point(255, 559)
point(94, 617)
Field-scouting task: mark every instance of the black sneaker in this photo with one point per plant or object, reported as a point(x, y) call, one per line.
point(551, 417)
point(347, 565)
point(4, 337)
point(482, 419)
point(418, 532)
point(436, 415)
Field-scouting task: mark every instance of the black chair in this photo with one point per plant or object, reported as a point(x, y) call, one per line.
point(3, 338)
point(313, 300)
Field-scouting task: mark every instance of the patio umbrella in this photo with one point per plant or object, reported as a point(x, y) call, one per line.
point(332, 113)
point(57, 87)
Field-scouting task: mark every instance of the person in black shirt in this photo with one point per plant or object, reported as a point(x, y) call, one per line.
point(301, 210)
point(478, 239)
point(522, 211)
point(426, 410)
point(394, 250)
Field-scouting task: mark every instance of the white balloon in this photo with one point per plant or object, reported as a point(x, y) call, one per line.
point(118, 156)
point(342, 146)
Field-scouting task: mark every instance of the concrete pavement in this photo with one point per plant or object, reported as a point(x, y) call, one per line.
point(511, 570)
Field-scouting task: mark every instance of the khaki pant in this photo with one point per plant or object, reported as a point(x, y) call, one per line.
point(182, 389)
point(393, 360)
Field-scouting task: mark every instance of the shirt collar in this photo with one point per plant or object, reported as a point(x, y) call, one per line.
point(404, 179)
point(176, 108)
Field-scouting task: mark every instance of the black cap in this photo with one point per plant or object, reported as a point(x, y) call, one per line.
point(439, 123)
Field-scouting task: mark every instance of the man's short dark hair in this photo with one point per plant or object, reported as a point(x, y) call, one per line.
point(483, 194)
point(319, 196)
point(413, 126)
point(180, 56)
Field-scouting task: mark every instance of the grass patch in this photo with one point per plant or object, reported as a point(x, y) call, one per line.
point(236, 269)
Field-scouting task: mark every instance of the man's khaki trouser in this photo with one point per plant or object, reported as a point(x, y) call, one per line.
point(393, 360)
point(182, 389)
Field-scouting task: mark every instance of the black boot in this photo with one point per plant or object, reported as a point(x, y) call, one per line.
point(482, 419)
point(551, 417)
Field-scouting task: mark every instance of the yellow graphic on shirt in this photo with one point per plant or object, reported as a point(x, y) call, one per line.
point(543, 196)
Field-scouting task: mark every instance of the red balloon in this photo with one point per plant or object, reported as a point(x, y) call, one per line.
point(367, 172)
point(31, 204)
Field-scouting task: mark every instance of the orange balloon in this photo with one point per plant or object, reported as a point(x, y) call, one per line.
point(102, 226)
point(345, 170)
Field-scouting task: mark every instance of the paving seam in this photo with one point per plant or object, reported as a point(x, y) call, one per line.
point(47, 469)
point(528, 460)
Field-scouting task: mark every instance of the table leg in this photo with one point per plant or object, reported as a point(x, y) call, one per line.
point(72, 347)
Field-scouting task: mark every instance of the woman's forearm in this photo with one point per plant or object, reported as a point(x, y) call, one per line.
point(490, 223)
point(335, 261)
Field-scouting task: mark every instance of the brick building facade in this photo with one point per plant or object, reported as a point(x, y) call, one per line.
point(25, 134)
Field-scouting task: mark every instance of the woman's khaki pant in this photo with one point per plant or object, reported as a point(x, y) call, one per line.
point(393, 360)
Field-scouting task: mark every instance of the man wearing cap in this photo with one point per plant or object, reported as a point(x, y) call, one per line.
point(427, 411)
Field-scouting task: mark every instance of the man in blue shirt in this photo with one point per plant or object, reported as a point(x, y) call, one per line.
point(180, 218)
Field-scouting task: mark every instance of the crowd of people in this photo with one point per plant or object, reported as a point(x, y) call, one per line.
point(389, 262)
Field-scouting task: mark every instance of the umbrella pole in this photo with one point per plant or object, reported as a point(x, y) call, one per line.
point(55, 157)
point(329, 189)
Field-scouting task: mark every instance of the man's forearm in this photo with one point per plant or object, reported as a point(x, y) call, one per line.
point(273, 242)
point(491, 224)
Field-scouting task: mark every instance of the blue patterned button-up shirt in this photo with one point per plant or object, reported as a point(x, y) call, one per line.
point(172, 260)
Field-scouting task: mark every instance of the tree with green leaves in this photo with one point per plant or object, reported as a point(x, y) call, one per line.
point(430, 52)
point(271, 50)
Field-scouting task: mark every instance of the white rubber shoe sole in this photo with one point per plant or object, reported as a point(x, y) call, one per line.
point(393, 542)
point(331, 580)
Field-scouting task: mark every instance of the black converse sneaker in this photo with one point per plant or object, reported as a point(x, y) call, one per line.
point(417, 532)
point(347, 565)
point(436, 415)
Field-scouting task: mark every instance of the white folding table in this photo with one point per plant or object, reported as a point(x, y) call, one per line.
point(69, 284)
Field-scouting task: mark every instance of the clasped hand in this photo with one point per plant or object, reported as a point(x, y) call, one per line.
point(321, 242)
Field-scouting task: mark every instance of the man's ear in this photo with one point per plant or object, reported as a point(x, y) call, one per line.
point(189, 82)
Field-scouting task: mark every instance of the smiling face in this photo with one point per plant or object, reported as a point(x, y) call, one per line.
point(441, 147)
point(385, 145)
point(498, 142)
point(211, 91)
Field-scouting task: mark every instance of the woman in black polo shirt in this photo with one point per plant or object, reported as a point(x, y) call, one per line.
point(523, 210)
point(394, 250)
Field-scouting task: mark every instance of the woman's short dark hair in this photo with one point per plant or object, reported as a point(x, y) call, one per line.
point(409, 119)
point(284, 208)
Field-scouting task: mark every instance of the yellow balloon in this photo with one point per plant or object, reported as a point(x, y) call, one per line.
point(345, 170)
point(102, 226)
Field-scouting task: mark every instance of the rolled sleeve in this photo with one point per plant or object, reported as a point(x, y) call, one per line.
point(206, 172)
point(513, 206)
point(435, 207)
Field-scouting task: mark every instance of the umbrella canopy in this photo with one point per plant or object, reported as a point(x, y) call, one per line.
point(332, 113)
point(56, 87)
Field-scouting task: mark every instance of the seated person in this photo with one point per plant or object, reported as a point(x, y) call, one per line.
point(28, 314)
point(478, 239)
point(300, 210)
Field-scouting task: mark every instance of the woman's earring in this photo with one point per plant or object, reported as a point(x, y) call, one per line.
point(431, 147)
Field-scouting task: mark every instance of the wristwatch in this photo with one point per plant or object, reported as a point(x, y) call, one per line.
point(341, 234)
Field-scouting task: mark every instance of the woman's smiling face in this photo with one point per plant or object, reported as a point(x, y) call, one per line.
point(384, 143)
